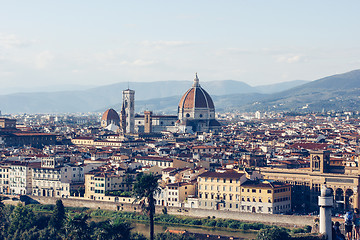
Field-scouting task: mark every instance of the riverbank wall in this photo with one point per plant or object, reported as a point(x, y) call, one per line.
point(127, 206)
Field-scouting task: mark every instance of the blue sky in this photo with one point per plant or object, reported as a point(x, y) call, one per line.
point(52, 44)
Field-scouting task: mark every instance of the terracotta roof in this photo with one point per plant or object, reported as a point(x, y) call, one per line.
point(168, 169)
point(227, 174)
point(152, 158)
point(110, 114)
point(309, 145)
point(264, 184)
point(196, 97)
point(34, 134)
point(178, 184)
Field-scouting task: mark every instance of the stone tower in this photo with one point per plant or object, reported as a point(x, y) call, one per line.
point(326, 202)
point(129, 106)
point(123, 120)
point(320, 161)
point(147, 122)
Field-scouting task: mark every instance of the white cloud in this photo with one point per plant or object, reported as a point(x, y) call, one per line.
point(43, 59)
point(250, 51)
point(236, 51)
point(187, 17)
point(165, 43)
point(11, 41)
point(290, 59)
point(130, 25)
point(138, 62)
point(6, 73)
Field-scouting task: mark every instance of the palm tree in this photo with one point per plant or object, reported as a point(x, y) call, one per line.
point(145, 187)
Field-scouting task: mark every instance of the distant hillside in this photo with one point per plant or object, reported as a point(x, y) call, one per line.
point(337, 92)
point(157, 94)
point(279, 87)
point(169, 105)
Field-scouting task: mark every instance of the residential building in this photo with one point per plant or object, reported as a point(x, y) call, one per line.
point(220, 190)
point(265, 197)
point(176, 194)
point(4, 179)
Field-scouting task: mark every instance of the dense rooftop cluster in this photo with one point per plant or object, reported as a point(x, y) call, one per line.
point(252, 165)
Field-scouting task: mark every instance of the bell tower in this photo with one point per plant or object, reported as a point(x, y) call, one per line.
point(147, 122)
point(320, 161)
point(129, 107)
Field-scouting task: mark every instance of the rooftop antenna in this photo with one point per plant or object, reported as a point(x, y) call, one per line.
point(128, 84)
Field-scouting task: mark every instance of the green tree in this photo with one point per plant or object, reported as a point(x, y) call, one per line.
point(43, 234)
point(128, 181)
point(22, 219)
point(172, 236)
point(58, 216)
point(77, 227)
point(41, 221)
point(274, 233)
point(2, 205)
point(81, 191)
point(138, 236)
point(145, 187)
point(164, 211)
point(114, 230)
point(2, 218)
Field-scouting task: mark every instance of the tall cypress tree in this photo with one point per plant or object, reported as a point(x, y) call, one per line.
point(58, 216)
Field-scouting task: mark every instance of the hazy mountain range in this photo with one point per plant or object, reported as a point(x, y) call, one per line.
point(158, 96)
point(337, 92)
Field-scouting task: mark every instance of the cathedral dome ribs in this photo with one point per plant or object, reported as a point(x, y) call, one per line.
point(196, 97)
point(110, 116)
point(196, 109)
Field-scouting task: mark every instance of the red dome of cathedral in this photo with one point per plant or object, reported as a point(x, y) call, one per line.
point(196, 97)
point(110, 116)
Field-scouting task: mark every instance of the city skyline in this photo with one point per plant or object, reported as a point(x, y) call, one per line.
point(76, 44)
